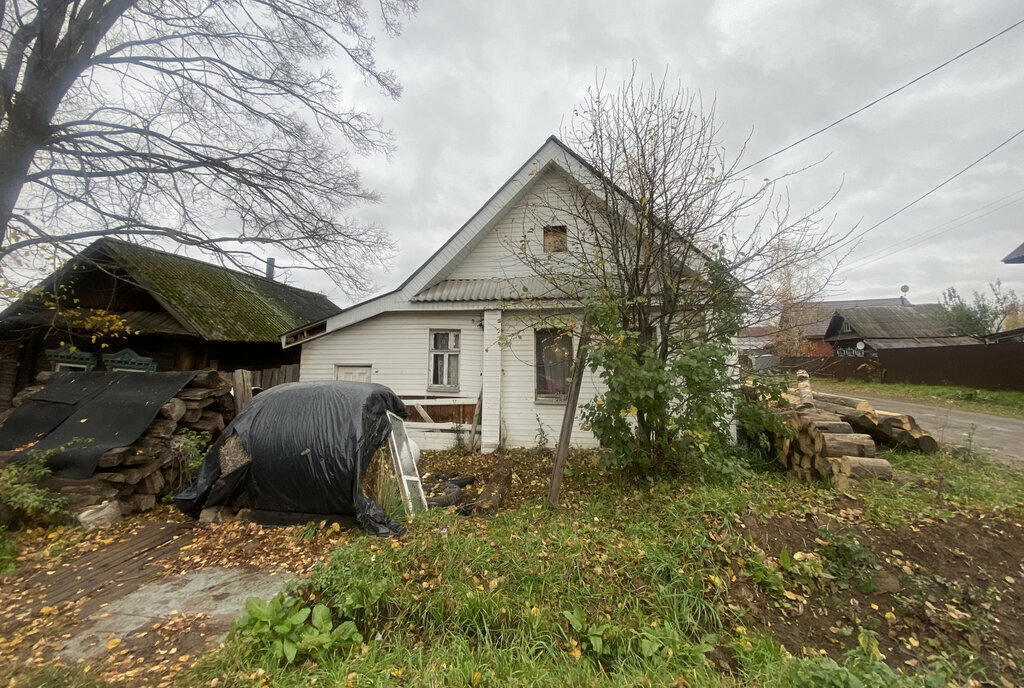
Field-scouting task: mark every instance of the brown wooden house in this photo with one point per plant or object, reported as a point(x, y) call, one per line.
point(121, 306)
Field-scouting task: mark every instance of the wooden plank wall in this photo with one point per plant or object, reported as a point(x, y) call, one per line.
point(271, 377)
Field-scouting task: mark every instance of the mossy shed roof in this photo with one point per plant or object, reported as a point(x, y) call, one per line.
point(213, 302)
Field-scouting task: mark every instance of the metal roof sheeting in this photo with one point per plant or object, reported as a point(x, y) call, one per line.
point(1016, 256)
point(495, 289)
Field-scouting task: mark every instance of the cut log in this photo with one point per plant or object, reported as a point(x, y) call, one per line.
point(161, 428)
point(840, 400)
point(223, 403)
point(853, 444)
point(865, 467)
point(174, 409)
point(206, 378)
point(494, 491)
point(833, 426)
point(926, 444)
point(232, 455)
point(192, 404)
point(152, 484)
point(192, 415)
point(114, 457)
point(210, 421)
point(137, 502)
point(803, 390)
point(194, 393)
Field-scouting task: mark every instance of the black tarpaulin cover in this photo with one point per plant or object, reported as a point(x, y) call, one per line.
point(309, 444)
point(85, 414)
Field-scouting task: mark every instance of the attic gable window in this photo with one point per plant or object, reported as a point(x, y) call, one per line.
point(444, 360)
point(556, 239)
point(554, 360)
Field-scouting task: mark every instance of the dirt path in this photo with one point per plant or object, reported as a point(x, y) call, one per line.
point(995, 435)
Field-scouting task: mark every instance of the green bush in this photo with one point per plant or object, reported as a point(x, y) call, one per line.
point(21, 493)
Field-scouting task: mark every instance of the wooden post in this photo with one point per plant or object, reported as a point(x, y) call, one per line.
point(562, 450)
point(474, 429)
point(241, 383)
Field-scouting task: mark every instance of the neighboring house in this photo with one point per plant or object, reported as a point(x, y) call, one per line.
point(465, 326)
point(757, 340)
point(180, 314)
point(805, 324)
point(865, 330)
point(1016, 256)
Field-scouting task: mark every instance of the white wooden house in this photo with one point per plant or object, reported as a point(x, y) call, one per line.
point(465, 325)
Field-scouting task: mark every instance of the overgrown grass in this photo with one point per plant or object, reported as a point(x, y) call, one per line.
point(999, 402)
point(627, 585)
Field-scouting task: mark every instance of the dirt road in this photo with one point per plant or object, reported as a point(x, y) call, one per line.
point(995, 435)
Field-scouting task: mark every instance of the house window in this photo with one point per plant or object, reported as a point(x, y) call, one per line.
point(444, 359)
point(554, 360)
point(555, 239)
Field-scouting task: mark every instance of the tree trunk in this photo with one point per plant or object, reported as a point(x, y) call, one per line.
point(568, 416)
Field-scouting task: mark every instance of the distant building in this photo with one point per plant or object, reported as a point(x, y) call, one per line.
point(805, 325)
point(1016, 256)
point(865, 330)
point(175, 313)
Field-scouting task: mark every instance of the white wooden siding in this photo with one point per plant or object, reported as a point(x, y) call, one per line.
point(519, 409)
point(498, 252)
point(396, 346)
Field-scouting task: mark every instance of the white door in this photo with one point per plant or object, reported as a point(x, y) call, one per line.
point(352, 373)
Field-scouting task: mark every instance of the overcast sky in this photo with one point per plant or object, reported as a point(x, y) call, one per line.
point(487, 83)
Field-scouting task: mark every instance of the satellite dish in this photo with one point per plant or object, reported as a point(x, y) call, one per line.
point(904, 289)
point(860, 345)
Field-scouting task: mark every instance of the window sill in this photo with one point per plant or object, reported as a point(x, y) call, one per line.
point(550, 401)
point(442, 390)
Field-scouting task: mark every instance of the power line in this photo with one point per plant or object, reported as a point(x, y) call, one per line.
point(879, 100)
point(920, 198)
point(936, 230)
point(916, 239)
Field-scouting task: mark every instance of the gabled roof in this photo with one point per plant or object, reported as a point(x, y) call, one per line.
point(1016, 255)
point(813, 318)
point(889, 322)
point(429, 282)
point(209, 301)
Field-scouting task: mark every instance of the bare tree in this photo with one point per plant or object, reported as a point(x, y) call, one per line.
point(214, 125)
point(670, 248)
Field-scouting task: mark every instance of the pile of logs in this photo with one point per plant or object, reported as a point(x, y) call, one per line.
point(833, 437)
point(139, 474)
point(889, 429)
point(823, 447)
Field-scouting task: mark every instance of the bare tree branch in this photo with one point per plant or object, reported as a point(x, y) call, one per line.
point(209, 124)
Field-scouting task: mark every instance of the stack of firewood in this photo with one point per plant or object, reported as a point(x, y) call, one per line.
point(889, 429)
point(822, 444)
point(833, 437)
point(154, 465)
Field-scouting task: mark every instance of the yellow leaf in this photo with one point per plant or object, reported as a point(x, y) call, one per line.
point(112, 643)
point(47, 611)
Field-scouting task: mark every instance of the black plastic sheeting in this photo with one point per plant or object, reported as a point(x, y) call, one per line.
point(309, 444)
point(85, 414)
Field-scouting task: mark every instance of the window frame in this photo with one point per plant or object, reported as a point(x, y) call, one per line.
point(553, 231)
point(447, 356)
point(547, 397)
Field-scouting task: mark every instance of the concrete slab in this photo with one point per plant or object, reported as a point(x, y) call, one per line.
point(217, 592)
